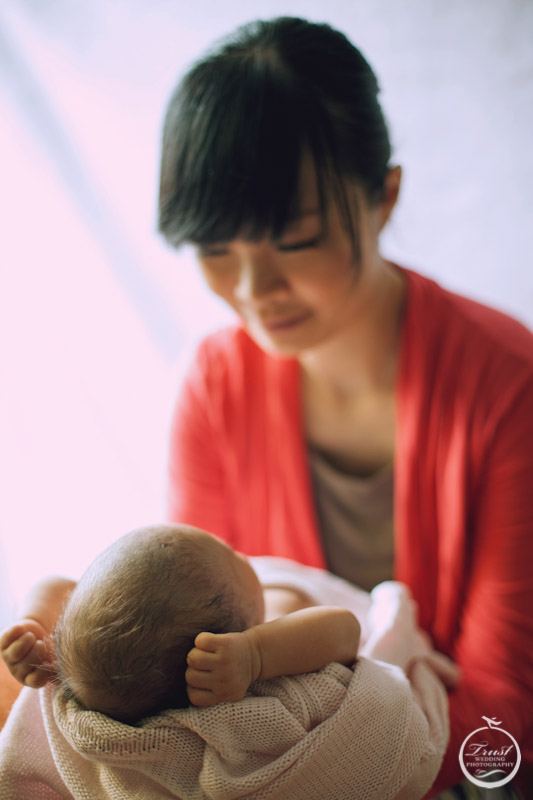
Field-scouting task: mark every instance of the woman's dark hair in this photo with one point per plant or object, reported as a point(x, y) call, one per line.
point(239, 123)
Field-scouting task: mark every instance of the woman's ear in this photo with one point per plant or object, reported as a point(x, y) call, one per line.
point(392, 190)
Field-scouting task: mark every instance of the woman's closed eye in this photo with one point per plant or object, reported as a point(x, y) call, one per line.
point(219, 250)
point(212, 250)
point(291, 247)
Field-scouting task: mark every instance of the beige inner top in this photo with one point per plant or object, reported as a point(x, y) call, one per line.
point(355, 517)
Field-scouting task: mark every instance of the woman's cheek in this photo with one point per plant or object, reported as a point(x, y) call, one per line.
point(322, 277)
point(220, 282)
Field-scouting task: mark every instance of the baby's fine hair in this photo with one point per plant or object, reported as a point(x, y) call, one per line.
point(122, 640)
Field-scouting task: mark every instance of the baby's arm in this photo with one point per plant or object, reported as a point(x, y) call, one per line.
point(26, 647)
point(222, 666)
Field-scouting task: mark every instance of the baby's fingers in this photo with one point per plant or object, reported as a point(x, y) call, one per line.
point(37, 675)
point(207, 641)
point(28, 660)
point(199, 678)
point(201, 697)
point(201, 659)
point(19, 648)
point(9, 635)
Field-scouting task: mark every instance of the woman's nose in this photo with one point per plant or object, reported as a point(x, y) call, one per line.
point(258, 278)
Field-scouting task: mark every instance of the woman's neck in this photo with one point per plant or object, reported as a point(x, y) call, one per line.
point(362, 357)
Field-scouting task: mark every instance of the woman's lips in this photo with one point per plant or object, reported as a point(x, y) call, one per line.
point(286, 322)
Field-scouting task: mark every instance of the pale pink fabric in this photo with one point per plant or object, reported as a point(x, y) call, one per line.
point(375, 733)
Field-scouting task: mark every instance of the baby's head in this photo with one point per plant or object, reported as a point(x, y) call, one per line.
point(123, 637)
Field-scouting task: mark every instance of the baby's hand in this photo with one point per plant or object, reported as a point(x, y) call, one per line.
point(221, 667)
point(27, 651)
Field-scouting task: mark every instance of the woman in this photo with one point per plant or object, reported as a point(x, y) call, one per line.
point(360, 417)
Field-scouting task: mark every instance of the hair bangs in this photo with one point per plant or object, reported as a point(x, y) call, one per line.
point(233, 147)
point(243, 119)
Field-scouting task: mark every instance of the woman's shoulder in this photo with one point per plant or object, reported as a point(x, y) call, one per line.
point(229, 358)
point(466, 373)
point(447, 321)
point(229, 349)
point(230, 340)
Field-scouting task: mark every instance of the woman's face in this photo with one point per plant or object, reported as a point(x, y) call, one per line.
point(303, 289)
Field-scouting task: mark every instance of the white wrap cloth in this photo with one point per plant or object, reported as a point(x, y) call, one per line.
point(376, 732)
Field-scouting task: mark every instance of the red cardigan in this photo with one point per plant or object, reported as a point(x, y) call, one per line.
point(463, 491)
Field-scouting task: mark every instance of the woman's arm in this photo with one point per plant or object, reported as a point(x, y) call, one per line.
point(26, 647)
point(222, 666)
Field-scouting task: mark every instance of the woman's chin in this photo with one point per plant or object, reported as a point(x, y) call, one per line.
point(287, 341)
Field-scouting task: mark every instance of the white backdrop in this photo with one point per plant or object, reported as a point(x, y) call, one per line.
point(95, 311)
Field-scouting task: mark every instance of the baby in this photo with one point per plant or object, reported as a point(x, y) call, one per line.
point(168, 615)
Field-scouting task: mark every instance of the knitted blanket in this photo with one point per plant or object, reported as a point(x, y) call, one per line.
point(376, 732)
